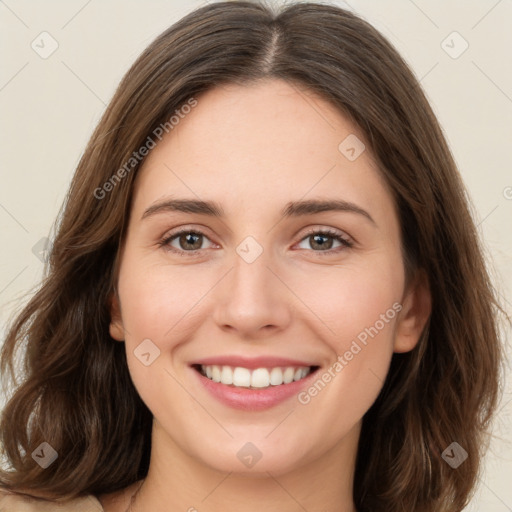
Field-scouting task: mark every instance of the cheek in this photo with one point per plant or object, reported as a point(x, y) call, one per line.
point(158, 301)
point(356, 310)
point(346, 300)
point(357, 315)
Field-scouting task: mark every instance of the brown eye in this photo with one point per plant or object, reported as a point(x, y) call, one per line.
point(190, 240)
point(323, 240)
point(184, 241)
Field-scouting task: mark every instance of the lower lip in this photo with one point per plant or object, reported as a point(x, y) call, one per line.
point(249, 399)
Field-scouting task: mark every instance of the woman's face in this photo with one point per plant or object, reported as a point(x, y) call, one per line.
point(256, 287)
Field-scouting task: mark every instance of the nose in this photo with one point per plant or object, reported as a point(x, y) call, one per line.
point(252, 299)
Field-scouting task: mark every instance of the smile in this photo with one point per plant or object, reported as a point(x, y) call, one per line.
point(259, 378)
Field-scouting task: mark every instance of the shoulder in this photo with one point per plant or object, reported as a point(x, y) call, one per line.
point(10, 502)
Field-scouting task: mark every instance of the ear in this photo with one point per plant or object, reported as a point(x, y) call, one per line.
point(416, 309)
point(116, 327)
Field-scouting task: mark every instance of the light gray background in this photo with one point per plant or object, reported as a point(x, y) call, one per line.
point(50, 107)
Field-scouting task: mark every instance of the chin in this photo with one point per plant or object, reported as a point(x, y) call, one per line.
point(252, 456)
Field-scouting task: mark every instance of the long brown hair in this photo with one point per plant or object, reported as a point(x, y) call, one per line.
point(77, 394)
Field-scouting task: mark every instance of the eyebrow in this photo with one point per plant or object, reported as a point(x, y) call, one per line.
point(292, 209)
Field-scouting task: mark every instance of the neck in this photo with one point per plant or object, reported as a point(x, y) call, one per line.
point(178, 481)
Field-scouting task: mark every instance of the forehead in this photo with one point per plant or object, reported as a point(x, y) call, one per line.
point(259, 145)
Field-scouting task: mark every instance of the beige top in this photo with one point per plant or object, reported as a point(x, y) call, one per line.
point(16, 503)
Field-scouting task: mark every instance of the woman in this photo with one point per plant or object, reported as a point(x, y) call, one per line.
point(191, 349)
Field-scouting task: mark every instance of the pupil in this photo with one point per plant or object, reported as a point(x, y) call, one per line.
point(321, 244)
point(189, 239)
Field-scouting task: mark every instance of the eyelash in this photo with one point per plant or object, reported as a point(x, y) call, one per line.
point(347, 244)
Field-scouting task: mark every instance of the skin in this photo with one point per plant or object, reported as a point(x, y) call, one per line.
point(253, 149)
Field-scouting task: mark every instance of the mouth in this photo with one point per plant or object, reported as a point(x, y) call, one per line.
point(254, 378)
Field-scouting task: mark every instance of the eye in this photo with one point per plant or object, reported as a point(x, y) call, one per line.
point(187, 241)
point(319, 239)
point(191, 241)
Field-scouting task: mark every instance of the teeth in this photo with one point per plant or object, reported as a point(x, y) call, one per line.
point(276, 376)
point(226, 375)
point(288, 375)
point(241, 377)
point(257, 378)
point(216, 375)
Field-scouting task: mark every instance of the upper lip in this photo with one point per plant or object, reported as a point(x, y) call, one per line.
point(251, 362)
